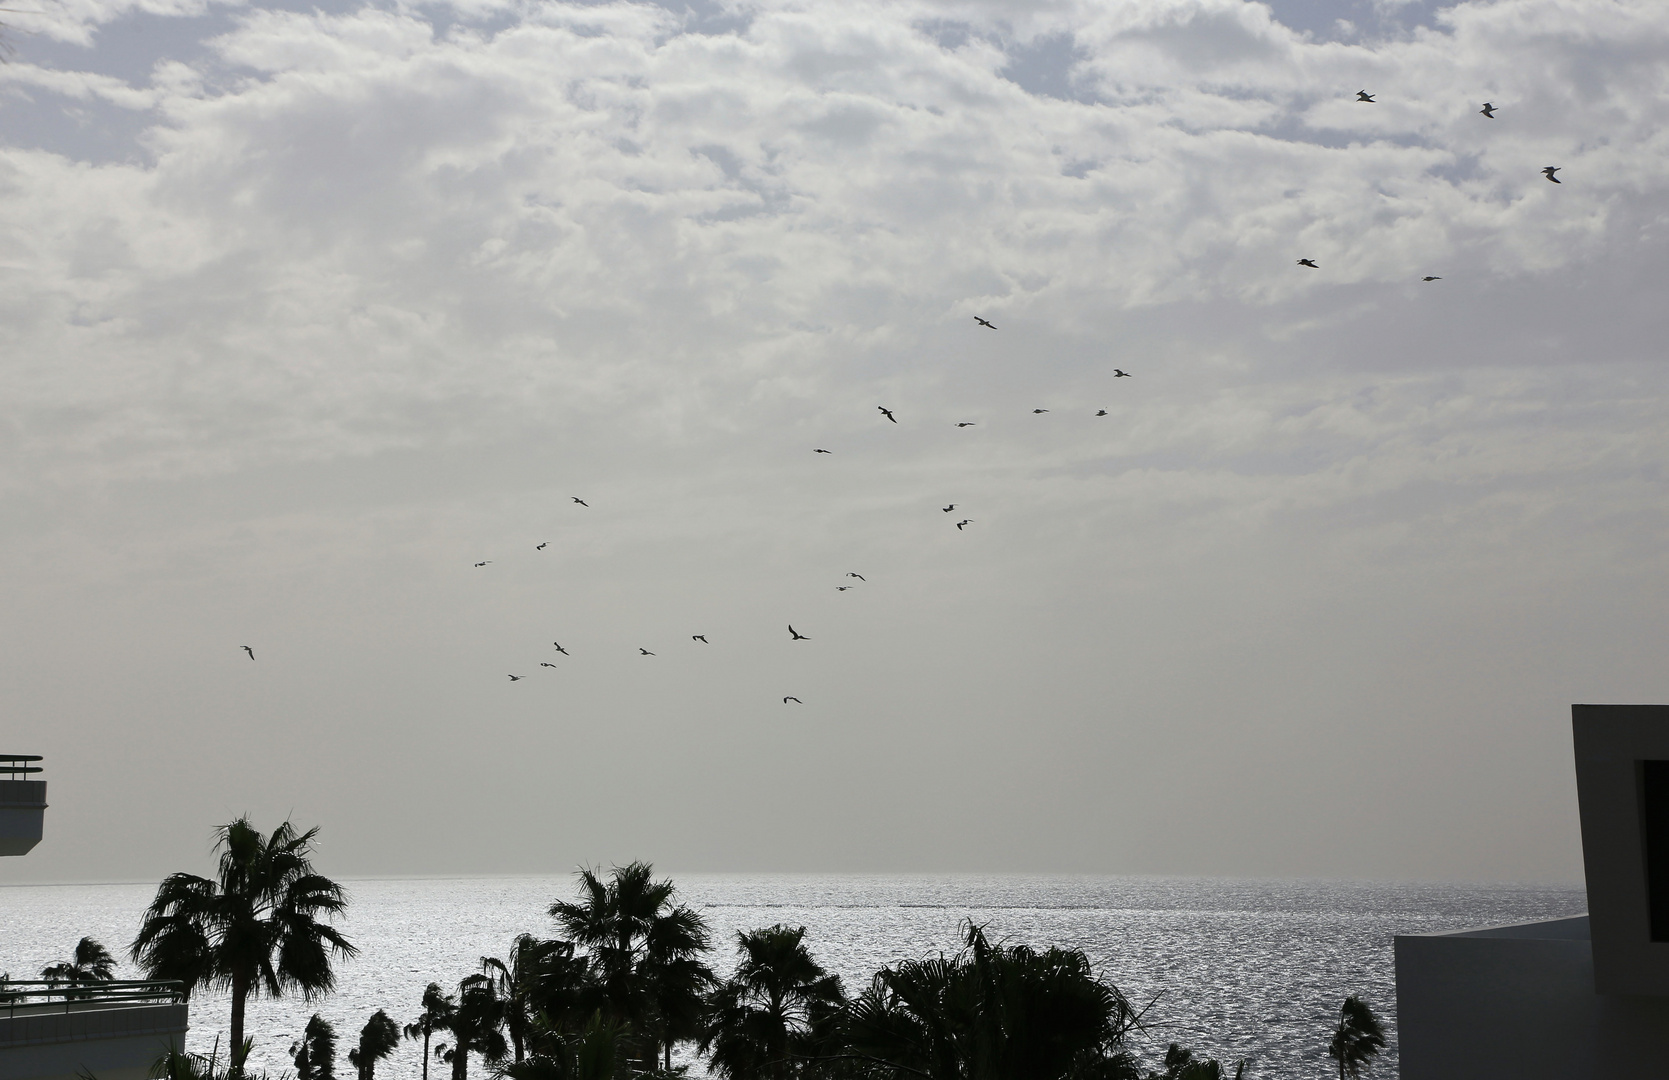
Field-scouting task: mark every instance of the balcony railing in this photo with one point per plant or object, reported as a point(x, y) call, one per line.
point(17, 765)
point(33, 996)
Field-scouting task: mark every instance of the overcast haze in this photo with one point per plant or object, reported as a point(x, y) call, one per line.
point(306, 310)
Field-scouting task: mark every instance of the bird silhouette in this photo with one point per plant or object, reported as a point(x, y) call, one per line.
point(843, 588)
point(795, 700)
point(860, 577)
point(545, 663)
point(964, 521)
point(966, 423)
point(1431, 277)
point(644, 651)
point(983, 323)
point(821, 451)
point(1036, 411)
point(541, 547)
point(795, 635)
point(1363, 95)
point(248, 650)
point(517, 678)
point(1117, 374)
point(949, 508)
point(701, 638)
point(579, 500)
point(561, 650)
point(1548, 172)
point(1101, 412)
point(1488, 110)
point(886, 412)
point(1309, 263)
point(483, 563)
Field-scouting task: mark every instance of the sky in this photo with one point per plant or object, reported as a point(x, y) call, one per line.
point(305, 311)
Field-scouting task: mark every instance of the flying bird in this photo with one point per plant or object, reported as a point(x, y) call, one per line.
point(843, 588)
point(561, 650)
point(1363, 95)
point(860, 577)
point(541, 547)
point(982, 322)
point(701, 638)
point(1488, 110)
point(795, 635)
point(966, 423)
point(795, 700)
point(1431, 277)
point(1101, 412)
point(644, 651)
point(822, 451)
point(1309, 263)
point(248, 650)
point(517, 678)
point(964, 521)
point(1117, 374)
point(1548, 172)
point(544, 663)
point(949, 508)
point(886, 412)
point(1036, 411)
point(483, 563)
point(579, 500)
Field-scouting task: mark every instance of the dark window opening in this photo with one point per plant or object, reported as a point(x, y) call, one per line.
point(1654, 805)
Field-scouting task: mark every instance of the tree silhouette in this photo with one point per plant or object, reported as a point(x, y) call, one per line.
point(775, 1012)
point(438, 1008)
point(91, 963)
point(314, 1053)
point(1358, 1039)
point(377, 1040)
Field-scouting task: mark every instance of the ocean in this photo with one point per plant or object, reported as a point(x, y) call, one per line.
point(1240, 968)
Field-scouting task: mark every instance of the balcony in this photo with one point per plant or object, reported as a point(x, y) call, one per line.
point(111, 1030)
point(22, 804)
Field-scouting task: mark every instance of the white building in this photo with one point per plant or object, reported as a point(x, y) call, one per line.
point(1571, 999)
point(110, 1031)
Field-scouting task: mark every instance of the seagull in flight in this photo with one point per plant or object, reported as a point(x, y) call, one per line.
point(1363, 95)
point(543, 663)
point(1488, 110)
point(541, 547)
point(949, 508)
point(517, 678)
point(886, 412)
point(843, 588)
point(1309, 263)
point(701, 638)
point(964, 521)
point(822, 451)
point(579, 500)
point(483, 563)
point(795, 700)
point(644, 651)
point(860, 577)
point(795, 635)
point(966, 423)
point(1101, 412)
point(1431, 277)
point(1548, 172)
point(248, 650)
point(561, 650)
point(1036, 411)
point(1117, 374)
point(983, 323)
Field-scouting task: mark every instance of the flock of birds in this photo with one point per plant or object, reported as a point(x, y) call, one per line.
point(1488, 112)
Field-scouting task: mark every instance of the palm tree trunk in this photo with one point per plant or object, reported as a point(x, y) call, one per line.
point(240, 993)
point(425, 1051)
point(460, 1062)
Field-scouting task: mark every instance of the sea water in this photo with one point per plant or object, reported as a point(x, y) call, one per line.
point(1233, 968)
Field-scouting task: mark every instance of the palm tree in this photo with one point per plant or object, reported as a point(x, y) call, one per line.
point(377, 1040)
point(522, 984)
point(314, 1053)
point(436, 1016)
point(92, 963)
point(475, 1027)
point(1358, 1038)
point(253, 928)
point(774, 1011)
point(643, 952)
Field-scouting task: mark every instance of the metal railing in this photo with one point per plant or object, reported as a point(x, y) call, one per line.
point(18, 764)
point(37, 996)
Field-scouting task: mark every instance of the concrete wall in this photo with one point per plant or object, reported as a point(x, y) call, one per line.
point(110, 1043)
point(22, 813)
point(1519, 1001)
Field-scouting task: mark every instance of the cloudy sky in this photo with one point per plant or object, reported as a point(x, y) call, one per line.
point(308, 309)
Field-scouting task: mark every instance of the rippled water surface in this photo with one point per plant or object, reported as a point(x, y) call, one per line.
point(1245, 968)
